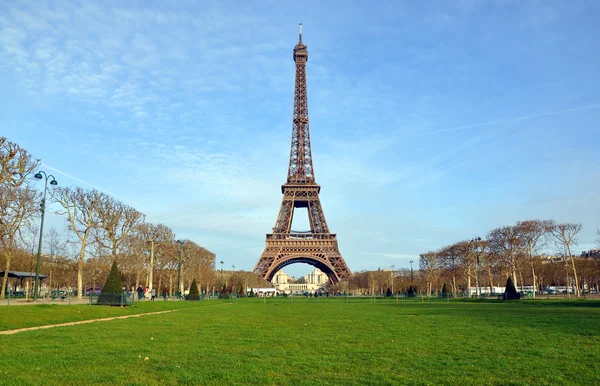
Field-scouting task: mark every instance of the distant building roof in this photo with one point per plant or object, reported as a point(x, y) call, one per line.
point(594, 253)
point(21, 275)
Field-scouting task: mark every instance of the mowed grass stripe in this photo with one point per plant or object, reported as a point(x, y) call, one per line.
point(304, 343)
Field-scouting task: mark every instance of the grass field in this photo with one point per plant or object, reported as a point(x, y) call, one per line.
point(307, 342)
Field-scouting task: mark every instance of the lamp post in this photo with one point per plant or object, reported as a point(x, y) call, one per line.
point(38, 176)
point(179, 270)
point(411, 272)
point(477, 240)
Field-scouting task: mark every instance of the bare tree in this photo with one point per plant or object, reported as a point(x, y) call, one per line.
point(480, 251)
point(117, 222)
point(451, 260)
point(81, 208)
point(507, 243)
point(15, 164)
point(430, 265)
point(565, 237)
point(532, 233)
point(56, 246)
point(18, 206)
point(157, 236)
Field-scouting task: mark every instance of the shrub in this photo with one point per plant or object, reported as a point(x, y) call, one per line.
point(251, 295)
point(511, 292)
point(194, 293)
point(112, 291)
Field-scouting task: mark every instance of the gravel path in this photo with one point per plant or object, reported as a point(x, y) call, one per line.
point(16, 331)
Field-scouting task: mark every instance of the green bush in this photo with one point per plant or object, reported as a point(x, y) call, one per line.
point(194, 293)
point(112, 291)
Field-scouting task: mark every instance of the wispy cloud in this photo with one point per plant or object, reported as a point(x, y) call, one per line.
point(125, 200)
point(515, 119)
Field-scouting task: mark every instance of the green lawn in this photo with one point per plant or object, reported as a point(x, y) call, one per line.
point(307, 342)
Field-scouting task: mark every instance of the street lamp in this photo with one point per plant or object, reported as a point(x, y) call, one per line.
point(477, 240)
point(38, 176)
point(411, 272)
point(179, 270)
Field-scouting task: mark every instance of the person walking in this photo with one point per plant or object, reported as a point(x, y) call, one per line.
point(153, 293)
point(140, 293)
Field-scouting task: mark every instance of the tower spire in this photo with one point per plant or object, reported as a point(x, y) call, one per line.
point(300, 170)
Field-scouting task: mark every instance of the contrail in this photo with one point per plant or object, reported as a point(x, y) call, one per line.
point(86, 183)
point(523, 118)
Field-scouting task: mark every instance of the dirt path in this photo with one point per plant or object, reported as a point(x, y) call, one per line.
point(16, 331)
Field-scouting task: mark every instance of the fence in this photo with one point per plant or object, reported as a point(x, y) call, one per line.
point(122, 299)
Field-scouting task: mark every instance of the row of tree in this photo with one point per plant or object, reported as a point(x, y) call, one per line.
point(522, 251)
point(100, 230)
point(535, 253)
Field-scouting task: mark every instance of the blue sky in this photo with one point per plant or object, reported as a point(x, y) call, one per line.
point(431, 122)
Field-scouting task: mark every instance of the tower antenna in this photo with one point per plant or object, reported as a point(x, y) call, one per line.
point(300, 32)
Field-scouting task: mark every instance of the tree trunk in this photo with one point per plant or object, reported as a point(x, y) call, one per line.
point(80, 271)
point(454, 286)
point(181, 280)
point(151, 267)
point(534, 279)
point(522, 281)
point(6, 268)
point(491, 279)
point(170, 283)
point(469, 281)
point(574, 272)
point(159, 290)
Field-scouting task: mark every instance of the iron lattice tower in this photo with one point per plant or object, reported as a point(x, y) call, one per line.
point(284, 246)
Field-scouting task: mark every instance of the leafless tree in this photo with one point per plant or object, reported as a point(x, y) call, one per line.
point(565, 237)
point(430, 265)
point(117, 221)
point(532, 233)
point(18, 206)
point(81, 208)
point(15, 164)
point(56, 246)
point(451, 260)
point(157, 236)
point(508, 244)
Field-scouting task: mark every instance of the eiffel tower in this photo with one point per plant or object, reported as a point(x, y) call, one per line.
point(316, 247)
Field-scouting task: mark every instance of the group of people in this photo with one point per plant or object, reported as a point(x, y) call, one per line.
point(150, 294)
